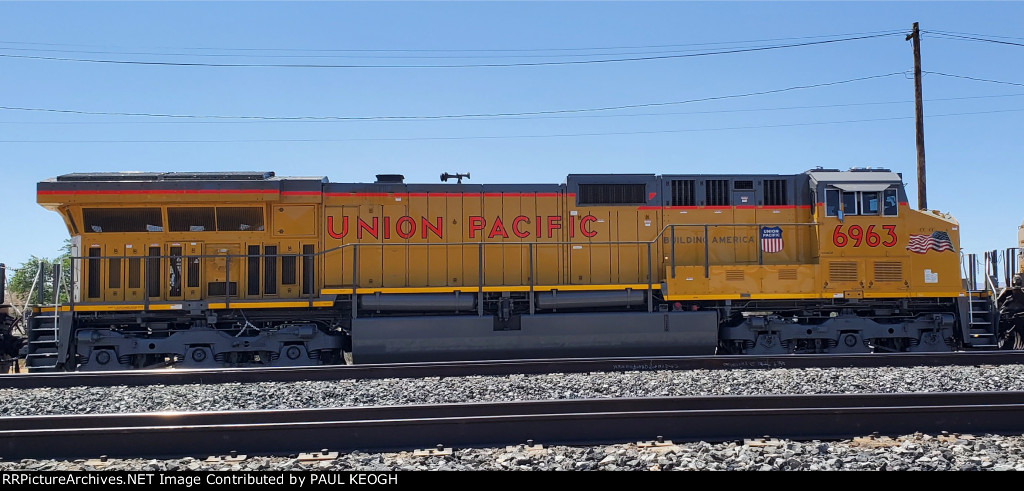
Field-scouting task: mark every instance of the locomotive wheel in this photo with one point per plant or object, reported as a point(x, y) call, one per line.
point(1012, 341)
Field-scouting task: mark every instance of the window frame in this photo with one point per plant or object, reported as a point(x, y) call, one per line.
point(856, 202)
point(834, 202)
point(861, 203)
point(896, 205)
point(830, 195)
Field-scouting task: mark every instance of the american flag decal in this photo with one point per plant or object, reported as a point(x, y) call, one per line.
point(771, 239)
point(937, 241)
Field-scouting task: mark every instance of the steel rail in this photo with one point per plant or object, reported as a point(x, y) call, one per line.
point(562, 422)
point(500, 367)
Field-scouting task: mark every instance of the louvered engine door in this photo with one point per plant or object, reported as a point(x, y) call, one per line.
point(132, 269)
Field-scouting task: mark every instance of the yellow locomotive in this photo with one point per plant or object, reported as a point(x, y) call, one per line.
point(227, 269)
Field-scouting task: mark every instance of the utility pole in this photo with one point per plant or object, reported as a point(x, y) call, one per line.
point(922, 195)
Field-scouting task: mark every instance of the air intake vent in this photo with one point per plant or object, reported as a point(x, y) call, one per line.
point(239, 218)
point(217, 288)
point(191, 219)
point(787, 274)
point(612, 194)
point(842, 271)
point(734, 275)
point(123, 220)
point(775, 192)
point(683, 192)
point(716, 192)
point(390, 179)
point(889, 271)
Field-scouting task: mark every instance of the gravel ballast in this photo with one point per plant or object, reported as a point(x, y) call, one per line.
point(911, 452)
point(344, 393)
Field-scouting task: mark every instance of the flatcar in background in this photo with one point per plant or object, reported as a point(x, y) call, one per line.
point(1010, 300)
point(10, 340)
point(253, 269)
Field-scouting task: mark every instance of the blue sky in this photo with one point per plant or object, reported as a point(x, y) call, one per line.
point(973, 159)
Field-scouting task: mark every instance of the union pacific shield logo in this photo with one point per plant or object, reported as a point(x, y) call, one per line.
point(771, 239)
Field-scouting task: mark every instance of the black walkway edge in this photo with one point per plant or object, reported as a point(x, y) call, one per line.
point(570, 422)
point(499, 367)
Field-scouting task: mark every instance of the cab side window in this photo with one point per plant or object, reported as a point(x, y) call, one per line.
point(831, 202)
point(868, 203)
point(861, 202)
point(890, 203)
point(849, 203)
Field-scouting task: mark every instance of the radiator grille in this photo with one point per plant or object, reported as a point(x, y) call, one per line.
point(787, 274)
point(888, 271)
point(239, 218)
point(191, 219)
point(123, 220)
point(734, 275)
point(842, 271)
point(611, 194)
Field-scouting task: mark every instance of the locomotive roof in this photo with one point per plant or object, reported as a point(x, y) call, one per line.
point(817, 175)
point(166, 176)
point(882, 175)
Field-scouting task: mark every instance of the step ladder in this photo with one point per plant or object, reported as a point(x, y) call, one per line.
point(43, 327)
point(43, 341)
point(981, 320)
point(982, 313)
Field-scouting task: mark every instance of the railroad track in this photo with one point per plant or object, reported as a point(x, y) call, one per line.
point(502, 367)
point(564, 422)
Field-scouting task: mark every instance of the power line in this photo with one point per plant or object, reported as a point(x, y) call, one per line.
point(456, 116)
point(971, 34)
point(973, 38)
point(497, 137)
point(974, 78)
point(386, 57)
point(574, 116)
point(471, 65)
point(422, 50)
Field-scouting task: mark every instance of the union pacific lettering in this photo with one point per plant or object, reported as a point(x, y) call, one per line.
point(407, 227)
